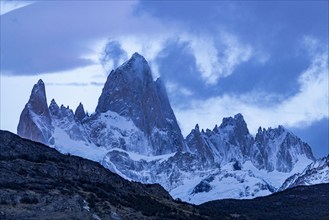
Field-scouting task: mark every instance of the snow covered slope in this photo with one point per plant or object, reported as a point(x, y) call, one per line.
point(315, 173)
point(134, 133)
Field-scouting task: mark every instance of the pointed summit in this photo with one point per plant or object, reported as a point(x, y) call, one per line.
point(80, 113)
point(197, 128)
point(38, 100)
point(131, 92)
point(138, 67)
point(285, 149)
point(136, 55)
point(53, 107)
point(36, 110)
point(237, 123)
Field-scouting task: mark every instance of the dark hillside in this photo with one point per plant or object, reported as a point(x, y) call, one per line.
point(38, 182)
point(303, 202)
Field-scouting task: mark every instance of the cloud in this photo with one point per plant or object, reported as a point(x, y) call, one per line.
point(7, 6)
point(66, 84)
point(74, 84)
point(312, 101)
point(71, 42)
point(218, 59)
point(45, 38)
point(113, 55)
point(176, 90)
point(183, 53)
point(310, 104)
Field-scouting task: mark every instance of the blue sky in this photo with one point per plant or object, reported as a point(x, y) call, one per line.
point(265, 59)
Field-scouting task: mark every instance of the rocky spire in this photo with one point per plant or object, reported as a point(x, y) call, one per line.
point(80, 113)
point(279, 149)
point(128, 79)
point(36, 110)
point(53, 107)
point(38, 101)
point(131, 92)
point(237, 123)
point(197, 142)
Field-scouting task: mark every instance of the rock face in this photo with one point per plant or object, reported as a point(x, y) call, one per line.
point(230, 141)
point(315, 173)
point(35, 121)
point(279, 149)
point(80, 113)
point(134, 133)
point(131, 92)
point(273, 149)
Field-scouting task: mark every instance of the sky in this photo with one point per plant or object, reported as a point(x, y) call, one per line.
point(265, 59)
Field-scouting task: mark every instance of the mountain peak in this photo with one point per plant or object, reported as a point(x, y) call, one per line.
point(197, 129)
point(237, 122)
point(126, 80)
point(239, 117)
point(53, 103)
point(137, 56)
point(131, 92)
point(80, 113)
point(53, 107)
point(36, 109)
point(136, 59)
point(38, 101)
point(40, 82)
point(137, 66)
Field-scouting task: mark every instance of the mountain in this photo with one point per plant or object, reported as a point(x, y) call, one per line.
point(315, 173)
point(38, 182)
point(35, 121)
point(272, 149)
point(279, 149)
point(131, 92)
point(247, 167)
point(134, 133)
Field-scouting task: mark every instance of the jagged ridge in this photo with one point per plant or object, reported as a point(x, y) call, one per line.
point(134, 133)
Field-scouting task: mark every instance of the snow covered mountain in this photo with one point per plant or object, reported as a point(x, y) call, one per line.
point(247, 166)
point(131, 92)
point(134, 133)
point(315, 173)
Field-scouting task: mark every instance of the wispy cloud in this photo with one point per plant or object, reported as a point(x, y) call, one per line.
point(218, 59)
point(112, 55)
point(308, 105)
point(175, 89)
point(75, 84)
point(11, 5)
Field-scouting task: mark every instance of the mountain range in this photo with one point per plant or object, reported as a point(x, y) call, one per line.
point(134, 133)
point(38, 182)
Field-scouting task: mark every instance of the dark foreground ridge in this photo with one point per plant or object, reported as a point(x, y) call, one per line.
point(37, 182)
point(302, 202)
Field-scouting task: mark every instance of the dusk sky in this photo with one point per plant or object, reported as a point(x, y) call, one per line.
point(265, 59)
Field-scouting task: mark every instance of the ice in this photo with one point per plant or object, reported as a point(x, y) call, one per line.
point(138, 157)
point(79, 148)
